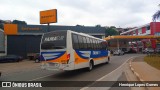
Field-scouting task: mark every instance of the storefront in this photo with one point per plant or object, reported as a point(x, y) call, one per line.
point(25, 39)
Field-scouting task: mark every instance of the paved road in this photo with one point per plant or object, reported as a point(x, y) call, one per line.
point(36, 74)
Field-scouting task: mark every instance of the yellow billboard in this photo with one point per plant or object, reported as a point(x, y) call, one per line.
point(48, 16)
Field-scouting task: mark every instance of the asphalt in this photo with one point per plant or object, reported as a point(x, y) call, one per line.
point(121, 78)
point(34, 73)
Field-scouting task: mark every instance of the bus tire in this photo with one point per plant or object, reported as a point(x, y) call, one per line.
point(108, 60)
point(91, 64)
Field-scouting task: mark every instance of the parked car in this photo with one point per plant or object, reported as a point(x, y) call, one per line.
point(148, 50)
point(32, 56)
point(11, 58)
point(118, 52)
point(158, 50)
point(37, 58)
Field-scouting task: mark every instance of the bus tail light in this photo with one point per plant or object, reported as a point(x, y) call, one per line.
point(67, 60)
point(68, 56)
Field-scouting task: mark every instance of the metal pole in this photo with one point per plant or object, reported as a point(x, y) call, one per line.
point(5, 44)
point(48, 27)
point(118, 44)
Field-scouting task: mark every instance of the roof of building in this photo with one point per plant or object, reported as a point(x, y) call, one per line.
point(92, 30)
point(134, 29)
point(132, 37)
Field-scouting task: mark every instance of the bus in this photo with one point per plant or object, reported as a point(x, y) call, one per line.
point(69, 50)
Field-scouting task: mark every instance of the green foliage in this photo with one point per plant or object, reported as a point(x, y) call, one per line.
point(156, 16)
point(19, 22)
point(153, 60)
point(2, 22)
point(111, 31)
point(1, 26)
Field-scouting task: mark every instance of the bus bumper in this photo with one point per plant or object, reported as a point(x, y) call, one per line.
point(55, 66)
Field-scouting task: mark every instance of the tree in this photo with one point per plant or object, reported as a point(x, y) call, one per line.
point(111, 31)
point(156, 15)
point(98, 25)
point(19, 22)
point(1, 26)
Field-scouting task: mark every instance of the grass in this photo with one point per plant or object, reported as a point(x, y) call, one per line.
point(153, 60)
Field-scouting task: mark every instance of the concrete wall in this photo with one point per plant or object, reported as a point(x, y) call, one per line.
point(23, 44)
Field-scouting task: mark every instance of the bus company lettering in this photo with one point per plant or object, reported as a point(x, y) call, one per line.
point(96, 52)
point(54, 38)
point(29, 28)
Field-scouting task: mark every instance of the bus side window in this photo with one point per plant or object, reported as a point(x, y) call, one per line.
point(91, 43)
point(98, 47)
point(75, 41)
point(80, 39)
point(88, 43)
point(99, 44)
point(104, 44)
point(94, 43)
point(84, 43)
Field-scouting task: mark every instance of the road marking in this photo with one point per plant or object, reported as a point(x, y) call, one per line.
point(41, 77)
point(114, 70)
point(84, 88)
point(96, 80)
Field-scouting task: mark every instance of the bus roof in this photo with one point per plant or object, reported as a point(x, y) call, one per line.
point(79, 33)
point(83, 34)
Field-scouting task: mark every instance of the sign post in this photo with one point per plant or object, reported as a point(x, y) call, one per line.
point(48, 16)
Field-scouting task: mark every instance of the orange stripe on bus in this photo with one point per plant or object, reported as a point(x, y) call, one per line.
point(78, 59)
point(100, 58)
point(61, 59)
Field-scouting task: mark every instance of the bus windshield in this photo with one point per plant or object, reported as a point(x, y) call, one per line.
point(54, 40)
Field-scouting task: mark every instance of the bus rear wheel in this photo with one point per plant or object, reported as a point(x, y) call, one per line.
point(108, 60)
point(90, 66)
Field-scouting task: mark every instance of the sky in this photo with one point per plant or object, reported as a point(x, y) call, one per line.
point(119, 13)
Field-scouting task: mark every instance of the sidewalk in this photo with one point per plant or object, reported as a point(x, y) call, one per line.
point(16, 67)
point(145, 71)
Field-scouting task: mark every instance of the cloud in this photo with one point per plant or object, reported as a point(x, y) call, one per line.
point(124, 13)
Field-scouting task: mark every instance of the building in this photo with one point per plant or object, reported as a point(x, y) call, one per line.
point(25, 39)
point(152, 28)
point(2, 42)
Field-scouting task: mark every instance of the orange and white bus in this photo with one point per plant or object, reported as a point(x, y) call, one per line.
point(69, 50)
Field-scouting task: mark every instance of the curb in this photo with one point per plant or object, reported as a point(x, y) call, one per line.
point(134, 72)
point(114, 73)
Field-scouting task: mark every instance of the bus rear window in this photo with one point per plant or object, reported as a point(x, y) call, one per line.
point(51, 46)
point(54, 40)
